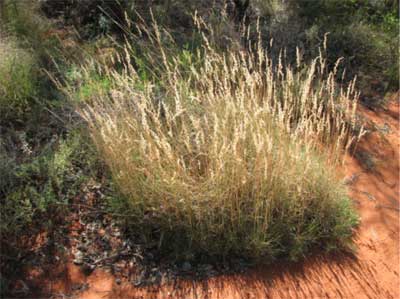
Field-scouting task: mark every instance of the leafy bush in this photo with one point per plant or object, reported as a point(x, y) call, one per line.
point(225, 158)
point(38, 184)
point(364, 33)
point(368, 53)
point(93, 18)
point(36, 188)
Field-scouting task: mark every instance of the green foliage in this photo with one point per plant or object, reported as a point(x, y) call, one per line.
point(40, 183)
point(44, 158)
point(36, 188)
point(39, 167)
point(365, 33)
point(97, 87)
point(25, 50)
point(18, 80)
point(22, 20)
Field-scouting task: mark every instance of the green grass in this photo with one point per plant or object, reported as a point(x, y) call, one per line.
point(18, 79)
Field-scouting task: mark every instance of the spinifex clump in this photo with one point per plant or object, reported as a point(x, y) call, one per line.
point(231, 155)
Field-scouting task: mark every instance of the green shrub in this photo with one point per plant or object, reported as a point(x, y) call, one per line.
point(40, 183)
point(364, 33)
point(36, 187)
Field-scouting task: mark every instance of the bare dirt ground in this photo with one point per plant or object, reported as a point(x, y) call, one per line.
point(371, 272)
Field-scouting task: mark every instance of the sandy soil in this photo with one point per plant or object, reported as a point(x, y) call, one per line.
point(372, 272)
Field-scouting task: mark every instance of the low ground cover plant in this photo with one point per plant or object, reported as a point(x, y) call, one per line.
point(229, 155)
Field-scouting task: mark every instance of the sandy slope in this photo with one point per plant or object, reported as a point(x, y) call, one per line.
point(373, 272)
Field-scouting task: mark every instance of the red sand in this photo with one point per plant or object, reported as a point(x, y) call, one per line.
point(373, 272)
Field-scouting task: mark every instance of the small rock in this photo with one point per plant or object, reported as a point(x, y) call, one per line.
point(351, 180)
point(78, 258)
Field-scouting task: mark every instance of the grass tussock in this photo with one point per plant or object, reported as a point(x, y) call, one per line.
point(17, 78)
point(229, 155)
